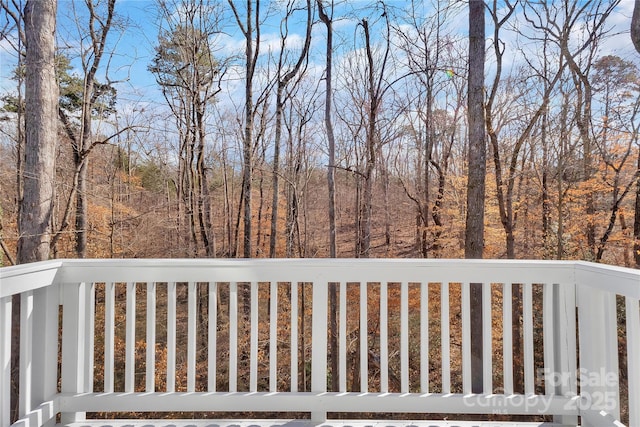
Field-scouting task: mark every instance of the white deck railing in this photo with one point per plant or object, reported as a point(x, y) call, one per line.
point(176, 336)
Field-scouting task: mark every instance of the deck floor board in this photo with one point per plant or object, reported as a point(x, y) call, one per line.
point(303, 423)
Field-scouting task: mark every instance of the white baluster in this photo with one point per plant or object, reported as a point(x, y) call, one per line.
point(130, 339)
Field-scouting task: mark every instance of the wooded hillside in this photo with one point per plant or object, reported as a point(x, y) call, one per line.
point(236, 132)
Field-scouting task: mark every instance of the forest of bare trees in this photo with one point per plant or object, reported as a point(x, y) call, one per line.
point(316, 129)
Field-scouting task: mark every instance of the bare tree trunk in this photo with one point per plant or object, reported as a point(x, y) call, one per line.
point(283, 82)
point(204, 201)
point(476, 178)
point(251, 53)
point(635, 25)
point(375, 93)
point(41, 98)
point(331, 185)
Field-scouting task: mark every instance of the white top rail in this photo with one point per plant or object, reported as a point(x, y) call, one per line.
point(32, 276)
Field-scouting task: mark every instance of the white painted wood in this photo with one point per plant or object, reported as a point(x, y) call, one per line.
point(294, 336)
point(28, 277)
point(309, 423)
point(26, 353)
point(5, 360)
point(620, 280)
point(322, 402)
point(384, 341)
point(130, 339)
point(549, 330)
point(253, 357)
point(527, 328)
point(598, 338)
point(109, 336)
point(611, 383)
point(507, 337)
point(90, 333)
point(609, 278)
point(332, 270)
point(364, 339)
point(73, 344)
point(192, 296)
point(487, 341)
point(45, 348)
point(466, 337)
point(424, 337)
point(319, 338)
point(404, 337)
point(233, 336)
point(212, 324)
point(597, 331)
point(342, 344)
point(150, 380)
point(633, 353)
point(565, 344)
point(319, 346)
point(273, 337)
point(171, 336)
point(444, 338)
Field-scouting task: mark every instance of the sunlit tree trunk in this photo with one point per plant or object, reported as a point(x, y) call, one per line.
point(41, 102)
point(41, 98)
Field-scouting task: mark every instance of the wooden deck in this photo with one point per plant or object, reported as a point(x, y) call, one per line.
point(303, 423)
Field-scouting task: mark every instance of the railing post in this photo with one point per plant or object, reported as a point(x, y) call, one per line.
point(26, 353)
point(73, 344)
point(319, 345)
point(560, 344)
point(599, 385)
point(633, 359)
point(45, 346)
point(5, 361)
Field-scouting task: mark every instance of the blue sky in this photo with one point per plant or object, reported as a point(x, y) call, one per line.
point(135, 38)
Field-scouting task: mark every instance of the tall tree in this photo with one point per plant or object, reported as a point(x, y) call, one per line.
point(477, 148)
point(250, 28)
point(41, 97)
point(616, 81)
point(284, 78)
point(189, 75)
point(14, 22)
point(79, 129)
point(591, 17)
point(327, 20)
point(432, 60)
point(474, 228)
point(41, 104)
point(77, 111)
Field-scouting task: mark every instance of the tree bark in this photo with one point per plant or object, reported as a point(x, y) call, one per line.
point(41, 96)
point(331, 185)
point(477, 149)
point(635, 25)
point(474, 227)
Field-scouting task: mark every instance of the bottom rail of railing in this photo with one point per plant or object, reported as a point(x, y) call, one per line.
point(349, 402)
point(301, 402)
point(307, 423)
